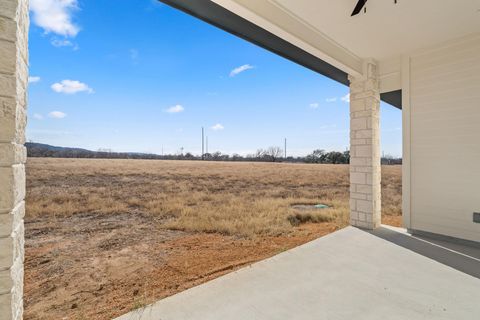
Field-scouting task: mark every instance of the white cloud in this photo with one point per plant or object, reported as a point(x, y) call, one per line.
point(71, 87)
point(57, 114)
point(346, 98)
point(63, 43)
point(217, 127)
point(333, 99)
point(55, 16)
point(38, 116)
point(240, 69)
point(314, 105)
point(175, 109)
point(33, 79)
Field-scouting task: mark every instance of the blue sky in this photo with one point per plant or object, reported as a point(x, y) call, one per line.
point(135, 75)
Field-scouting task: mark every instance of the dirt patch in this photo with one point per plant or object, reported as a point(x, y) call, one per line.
point(92, 266)
point(104, 237)
point(395, 221)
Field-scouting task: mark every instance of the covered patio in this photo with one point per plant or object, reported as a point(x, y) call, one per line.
point(349, 274)
point(420, 56)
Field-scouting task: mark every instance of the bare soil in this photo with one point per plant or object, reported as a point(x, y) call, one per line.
point(90, 266)
point(99, 243)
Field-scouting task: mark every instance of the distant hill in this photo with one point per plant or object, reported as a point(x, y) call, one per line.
point(33, 147)
point(45, 150)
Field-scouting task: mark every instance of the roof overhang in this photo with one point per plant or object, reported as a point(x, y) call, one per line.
point(305, 53)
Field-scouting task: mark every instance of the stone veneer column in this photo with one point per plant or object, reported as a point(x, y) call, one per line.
point(365, 170)
point(14, 23)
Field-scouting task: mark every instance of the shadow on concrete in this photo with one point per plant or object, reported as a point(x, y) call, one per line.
point(458, 256)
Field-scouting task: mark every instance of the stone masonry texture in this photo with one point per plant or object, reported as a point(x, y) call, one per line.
point(365, 174)
point(14, 23)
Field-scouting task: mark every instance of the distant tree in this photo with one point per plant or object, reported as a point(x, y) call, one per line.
point(390, 160)
point(217, 156)
point(335, 157)
point(272, 153)
point(189, 156)
point(317, 156)
point(259, 154)
point(207, 156)
point(346, 155)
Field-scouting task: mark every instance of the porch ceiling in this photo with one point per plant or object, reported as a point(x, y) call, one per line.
point(387, 29)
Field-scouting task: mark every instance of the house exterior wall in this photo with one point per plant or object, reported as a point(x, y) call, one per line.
point(13, 85)
point(444, 139)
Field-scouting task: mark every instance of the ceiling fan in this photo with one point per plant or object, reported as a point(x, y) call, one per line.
point(361, 5)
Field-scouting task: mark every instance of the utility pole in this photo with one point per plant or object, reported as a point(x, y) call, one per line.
point(285, 148)
point(203, 143)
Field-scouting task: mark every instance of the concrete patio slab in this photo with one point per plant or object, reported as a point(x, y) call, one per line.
point(349, 274)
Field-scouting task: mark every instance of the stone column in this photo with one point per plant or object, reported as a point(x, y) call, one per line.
point(14, 23)
point(365, 170)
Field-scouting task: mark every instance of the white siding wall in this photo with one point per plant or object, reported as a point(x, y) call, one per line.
point(445, 139)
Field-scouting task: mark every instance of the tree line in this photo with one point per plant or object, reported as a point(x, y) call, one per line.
point(271, 154)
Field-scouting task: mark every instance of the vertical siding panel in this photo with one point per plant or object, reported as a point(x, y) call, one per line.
point(445, 139)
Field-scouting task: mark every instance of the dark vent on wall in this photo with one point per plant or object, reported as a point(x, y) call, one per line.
point(476, 217)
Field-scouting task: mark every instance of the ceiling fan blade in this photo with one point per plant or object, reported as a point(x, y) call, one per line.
point(359, 7)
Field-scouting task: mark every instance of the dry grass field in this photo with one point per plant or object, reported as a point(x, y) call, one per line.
point(106, 236)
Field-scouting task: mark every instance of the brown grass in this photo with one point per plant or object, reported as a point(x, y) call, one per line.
point(106, 236)
point(230, 198)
